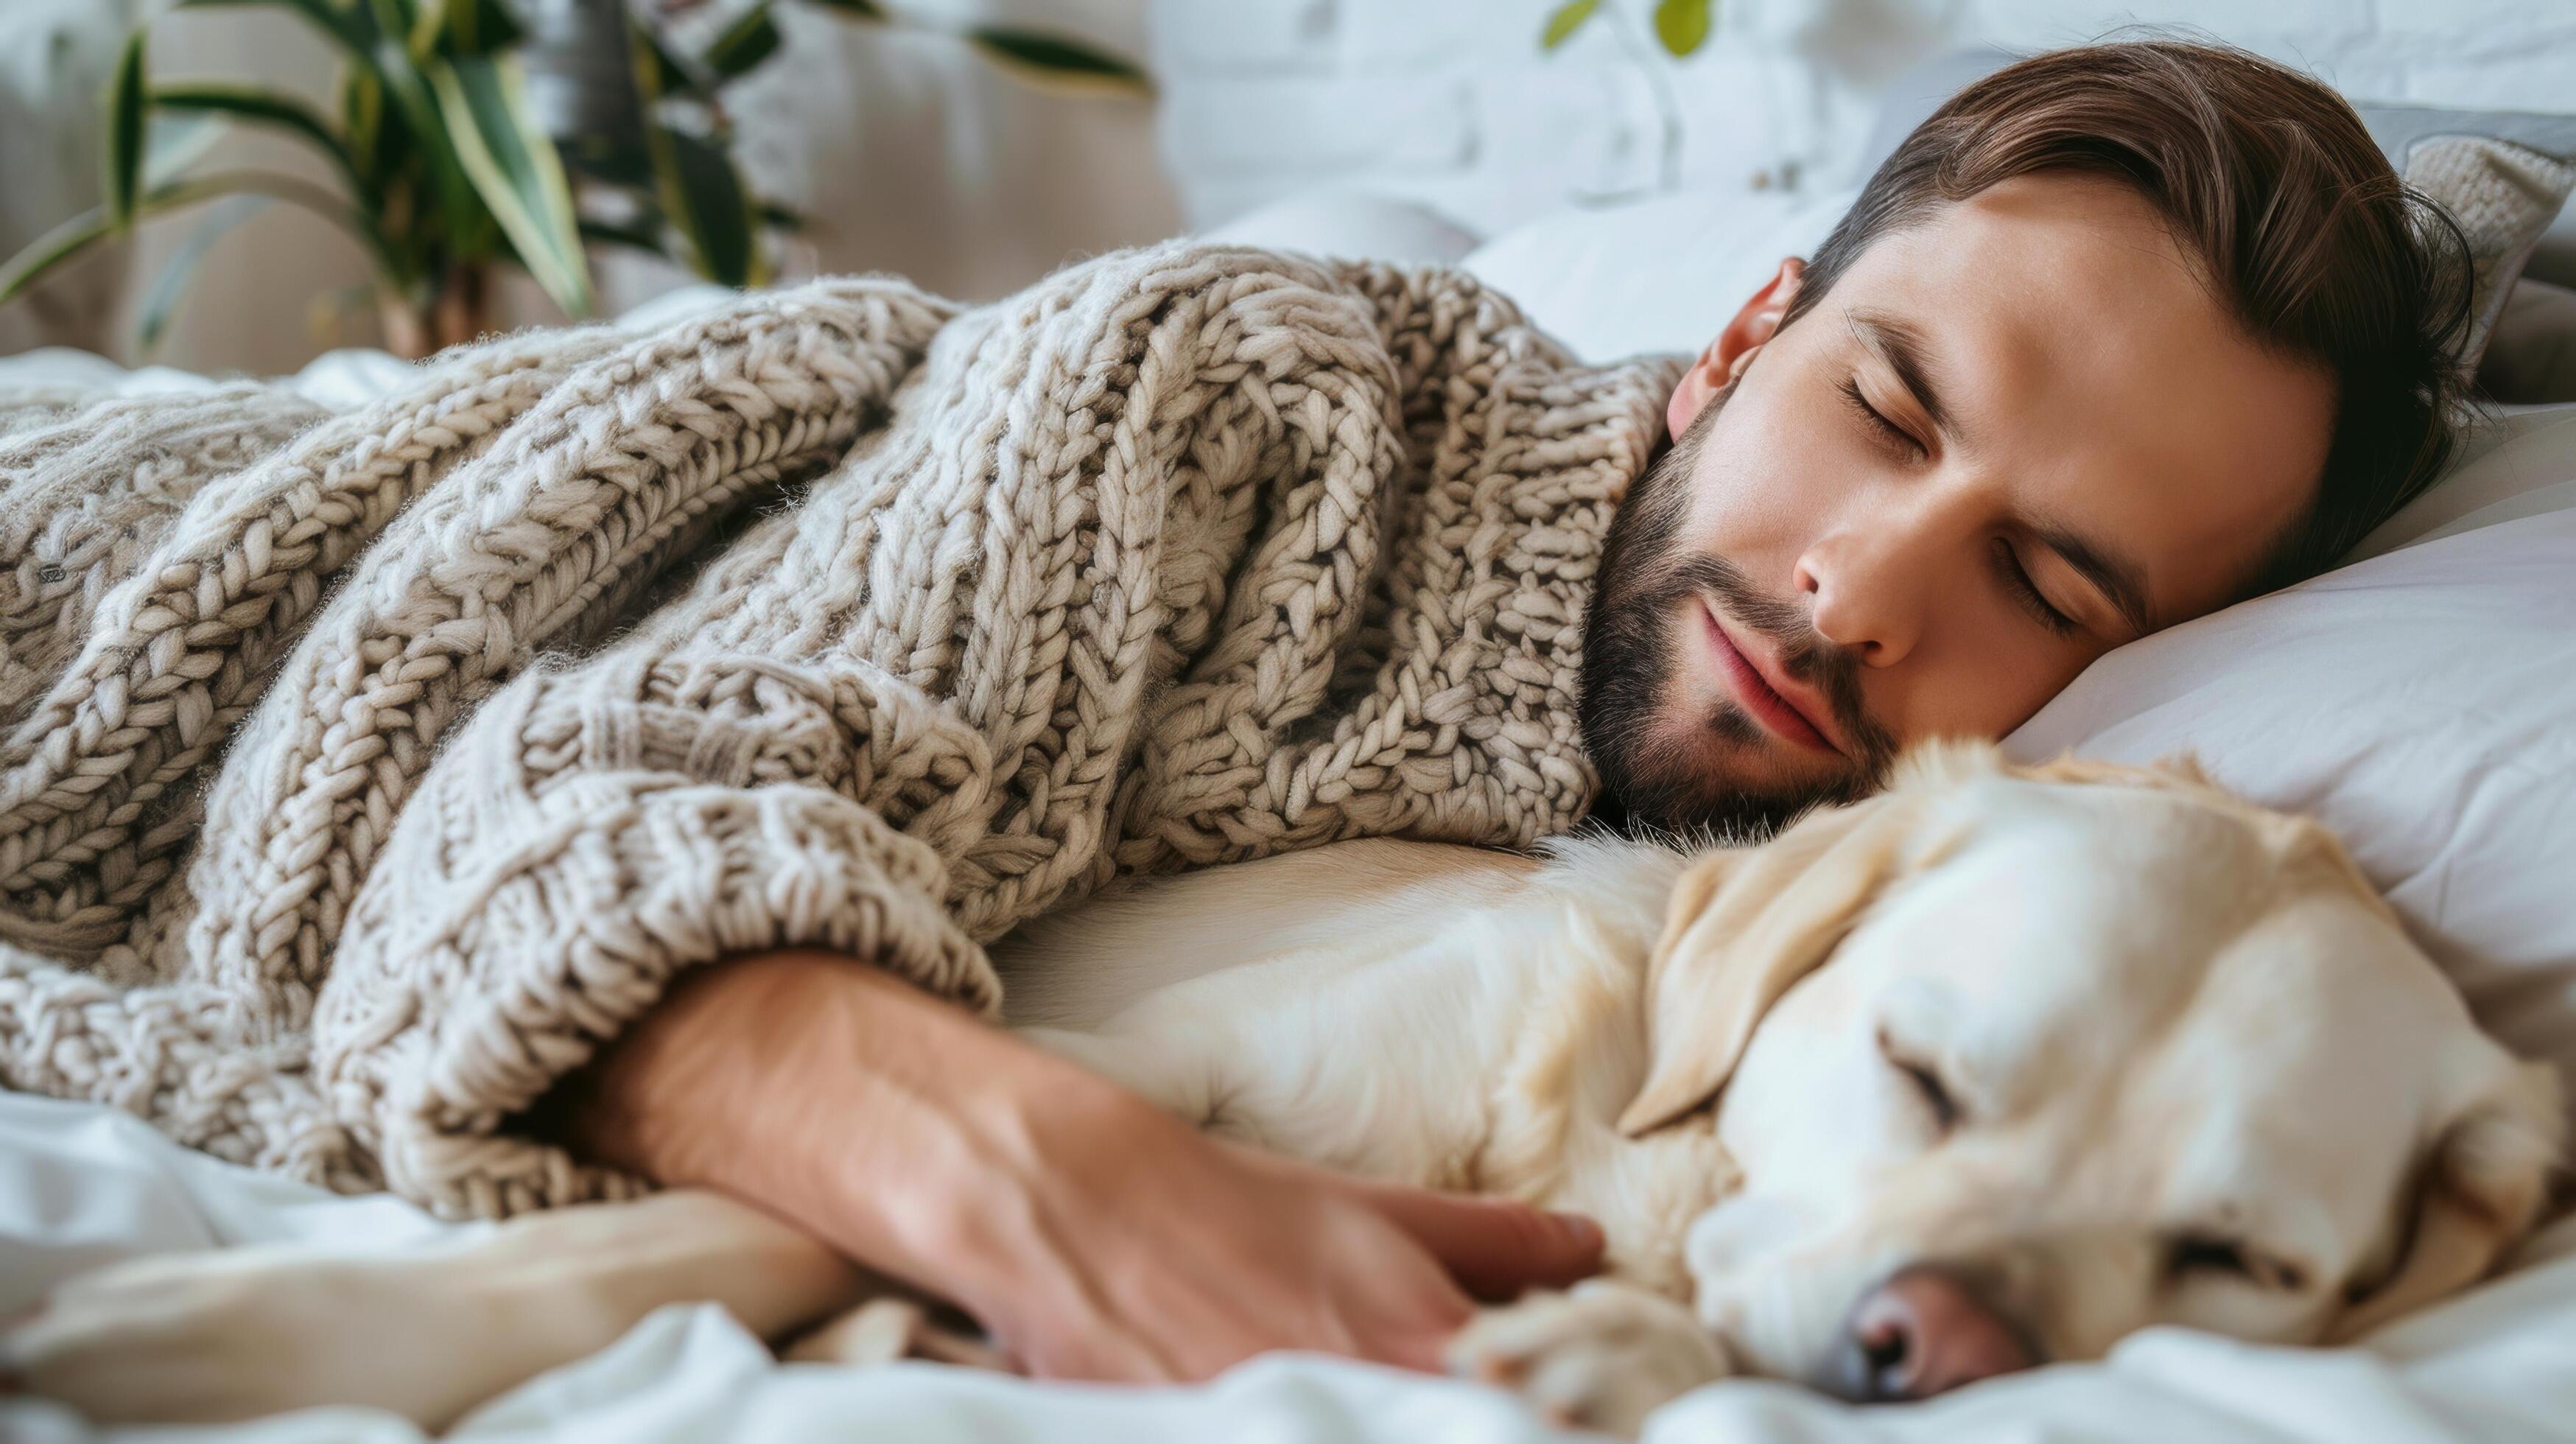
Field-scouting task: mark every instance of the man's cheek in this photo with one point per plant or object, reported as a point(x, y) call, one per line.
point(1985, 686)
point(1784, 472)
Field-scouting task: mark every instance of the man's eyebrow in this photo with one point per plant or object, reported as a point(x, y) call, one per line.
point(1903, 348)
point(2115, 576)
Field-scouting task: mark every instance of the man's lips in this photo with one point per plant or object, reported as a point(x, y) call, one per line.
point(1767, 697)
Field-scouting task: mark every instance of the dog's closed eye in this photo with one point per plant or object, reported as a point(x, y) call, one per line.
point(1938, 1100)
point(2191, 1255)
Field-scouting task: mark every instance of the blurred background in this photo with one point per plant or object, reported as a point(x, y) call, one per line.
point(903, 143)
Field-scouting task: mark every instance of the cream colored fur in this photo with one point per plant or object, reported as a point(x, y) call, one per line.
point(2162, 1013)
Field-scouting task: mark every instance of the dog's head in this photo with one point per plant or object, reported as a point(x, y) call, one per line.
point(2017, 1061)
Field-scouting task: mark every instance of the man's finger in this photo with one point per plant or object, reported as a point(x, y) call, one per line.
point(1496, 1248)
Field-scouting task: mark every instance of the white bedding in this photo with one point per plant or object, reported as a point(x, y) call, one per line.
point(81, 1184)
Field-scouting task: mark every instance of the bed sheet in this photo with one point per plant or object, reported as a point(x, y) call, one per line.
point(82, 1184)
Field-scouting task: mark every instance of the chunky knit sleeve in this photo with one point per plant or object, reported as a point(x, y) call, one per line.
point(528, 782)
point(589, 833)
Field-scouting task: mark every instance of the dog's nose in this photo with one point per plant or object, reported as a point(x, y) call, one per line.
point(1925, 1331)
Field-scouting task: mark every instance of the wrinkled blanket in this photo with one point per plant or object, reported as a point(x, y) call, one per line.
point(362, 773)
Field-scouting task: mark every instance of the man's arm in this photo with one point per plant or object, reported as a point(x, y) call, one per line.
point(1096, 1236)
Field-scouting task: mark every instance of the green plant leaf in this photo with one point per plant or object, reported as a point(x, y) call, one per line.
point(514, 168)
point(857, 9)
point(171, 285)
point(706, 199)
point(53, 248)
point(637, 235)
point(670, 74)
point(494, 27)
point(390, 169)
point(1053, 62)
point(362, 119)
point(1567, 19)
point(125, 96)
point(420, 37)
point(470, 27)
point(73, 236)
point(749, 40)
point(699, 192)
point(264, 107)
point(1682, 25)
point(424, 122)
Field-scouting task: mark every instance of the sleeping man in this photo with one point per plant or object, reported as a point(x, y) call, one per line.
point(1185, 556)
point(2118, 337)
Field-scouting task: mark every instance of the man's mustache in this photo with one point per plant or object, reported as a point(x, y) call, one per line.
point(1805, 654)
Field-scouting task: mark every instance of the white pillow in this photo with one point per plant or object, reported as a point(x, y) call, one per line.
point(1355, 225)
point(1658, 275)
point(2421, 702)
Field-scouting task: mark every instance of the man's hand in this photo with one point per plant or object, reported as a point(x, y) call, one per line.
point(1139, 1249)
point(1095, 1235)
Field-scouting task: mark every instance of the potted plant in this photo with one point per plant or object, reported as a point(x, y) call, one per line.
point(464, 135)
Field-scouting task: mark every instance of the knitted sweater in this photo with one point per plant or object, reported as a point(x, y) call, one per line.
point(363, 773)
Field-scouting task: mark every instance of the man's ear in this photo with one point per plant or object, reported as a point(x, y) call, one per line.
point(1755, 323)
point(2477, 1193)
point(1742, 927)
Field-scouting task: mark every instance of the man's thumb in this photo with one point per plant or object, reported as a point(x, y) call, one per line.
point(1494, 1247)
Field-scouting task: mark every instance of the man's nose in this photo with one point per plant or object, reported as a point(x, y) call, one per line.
point(1924, 1332)
point(1862, 597)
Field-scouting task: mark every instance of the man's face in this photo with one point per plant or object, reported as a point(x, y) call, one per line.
point(2011, 438)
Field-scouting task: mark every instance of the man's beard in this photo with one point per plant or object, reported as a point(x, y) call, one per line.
point(1628, 665)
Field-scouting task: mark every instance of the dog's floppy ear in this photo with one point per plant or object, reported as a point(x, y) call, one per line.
point(2477, 1193)
point(1742, 926)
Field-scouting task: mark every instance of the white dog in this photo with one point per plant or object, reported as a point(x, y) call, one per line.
point(1988, 1070)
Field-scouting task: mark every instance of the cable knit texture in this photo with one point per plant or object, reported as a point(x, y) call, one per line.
point(361, 773)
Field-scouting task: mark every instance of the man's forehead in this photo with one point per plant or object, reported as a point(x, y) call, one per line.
point(2036, 297)
point(2074, 236)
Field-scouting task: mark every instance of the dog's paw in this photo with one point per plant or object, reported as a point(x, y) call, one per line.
point(879, 1331)
point(1601, 1357)
point(884, 1330)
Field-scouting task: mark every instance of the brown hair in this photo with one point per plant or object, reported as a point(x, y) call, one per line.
point(2300, 226)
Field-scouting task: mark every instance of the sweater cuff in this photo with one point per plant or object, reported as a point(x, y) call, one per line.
point(522, 917)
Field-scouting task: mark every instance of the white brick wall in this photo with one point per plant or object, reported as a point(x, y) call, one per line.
point(1449, 101)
